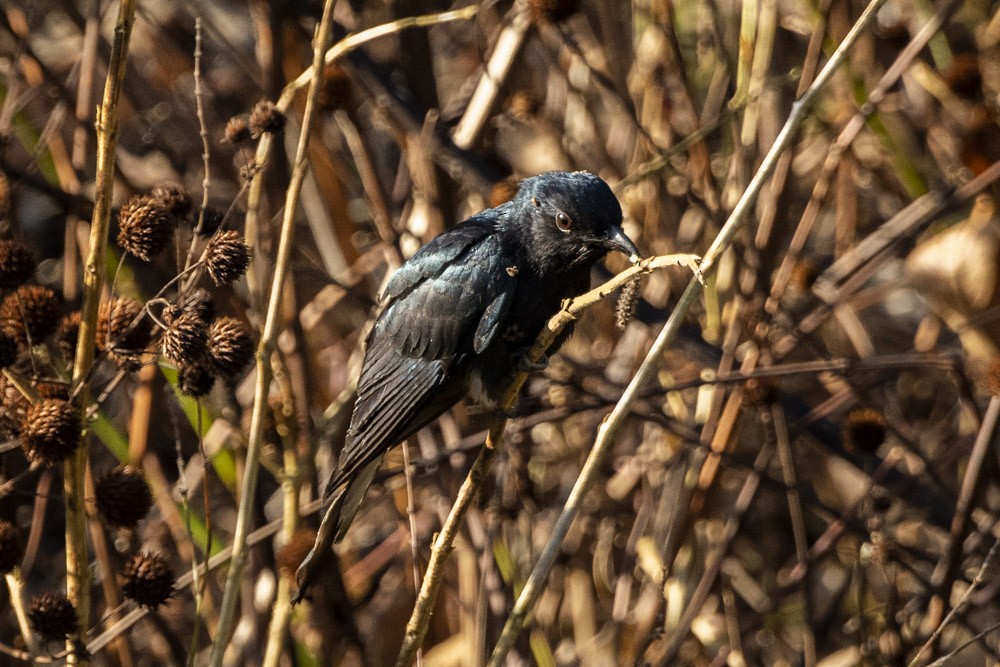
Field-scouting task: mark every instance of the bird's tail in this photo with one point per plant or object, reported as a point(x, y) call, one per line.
point(337, 519)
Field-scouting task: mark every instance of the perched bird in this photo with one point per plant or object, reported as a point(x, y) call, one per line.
point(458, 318)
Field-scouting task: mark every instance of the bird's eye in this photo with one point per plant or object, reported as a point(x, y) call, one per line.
point(563, 222)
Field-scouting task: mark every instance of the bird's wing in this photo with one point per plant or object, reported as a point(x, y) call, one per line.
point(443, 305)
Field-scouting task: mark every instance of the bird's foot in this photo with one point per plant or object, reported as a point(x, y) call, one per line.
point(525, 364)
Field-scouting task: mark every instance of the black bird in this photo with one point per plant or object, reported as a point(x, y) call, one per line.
point(459, 317)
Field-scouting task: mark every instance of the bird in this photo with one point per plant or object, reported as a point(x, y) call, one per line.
point(458, 318)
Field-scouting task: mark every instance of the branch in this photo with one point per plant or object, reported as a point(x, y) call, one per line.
point(416, 628)
point(609, 428)
point(77, 562)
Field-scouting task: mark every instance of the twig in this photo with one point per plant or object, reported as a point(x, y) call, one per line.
point(268, 339)
point(77, 562)
point(203, 131)
point(609, 428)
point(15, 588)
point(416, 628)
point(411, 514)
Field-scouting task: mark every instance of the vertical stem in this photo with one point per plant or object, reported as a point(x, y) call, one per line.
point(77, 562)
point(267, 342)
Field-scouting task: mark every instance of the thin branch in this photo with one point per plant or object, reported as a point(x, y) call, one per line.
point(609, 428)
point(77, 562)
point(268, 339)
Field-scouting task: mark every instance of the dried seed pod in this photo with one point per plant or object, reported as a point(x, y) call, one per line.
point(199, 302)
point(122, 333)
point(50, 431)
point(51, 389)
point(122, 497)
point(67, 333)
point(11, 551)
point(230, 345)
point(52, 615)
point(237, 131)
point(290, 556)
point(17, 263)
point(29, 311)
point(227, 257)
point(148, 580)
point(863, 430)
point(627, 302)
point(8, 350)
point(195, 380)
point(174, 198)
point(185, 340)
point(266, 117)
point(145, 226)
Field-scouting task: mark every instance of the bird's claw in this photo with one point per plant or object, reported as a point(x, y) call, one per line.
point(526, 365)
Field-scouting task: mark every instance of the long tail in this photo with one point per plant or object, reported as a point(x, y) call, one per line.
point(337, 519)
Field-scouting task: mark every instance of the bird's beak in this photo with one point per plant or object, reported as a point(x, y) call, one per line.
point(618, 241)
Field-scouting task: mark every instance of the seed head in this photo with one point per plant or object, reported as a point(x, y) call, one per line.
point(122, 333)
point(198, 302)
point(265, 117)
point(148, 580)
point(50, 431)
point(67, 333)
point(174, 198)
point(144, 227)
point(237, 131)
point(627, 301)
point(11, 551)
point(195, 380)
point(185, 341)
point(863, 430)
point(52, 615)
point(30, 310)
point(227, 257)
point(17, 263)
point(122, 497)
point(231, 347)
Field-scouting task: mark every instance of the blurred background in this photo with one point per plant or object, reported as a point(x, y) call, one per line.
point(798, 485)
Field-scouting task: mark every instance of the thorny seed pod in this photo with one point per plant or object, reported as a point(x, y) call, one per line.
point(290, 556)
point(148, 580)
point(17, 263)
point(122, 497)
point(195, 380)
point(29, 311)
point(863, 430)
point(230, 345)
point(198, 303)
point(122, 333)
point(174, 198)
point(51, 389)
point(8, 350)
point(51, 430)
point(227, 257)
point(67, 333)
point(552, 11)
point(145, 226)
point(52, 615)
point(13, 407)
point(266, 117)
point(627, 301)
point(11, 551)
point(185, 340)
point(237, 131)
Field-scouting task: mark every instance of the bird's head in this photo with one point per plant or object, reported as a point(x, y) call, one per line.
point(570, 219)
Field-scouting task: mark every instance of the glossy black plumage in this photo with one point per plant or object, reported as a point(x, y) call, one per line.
point(458, 314)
